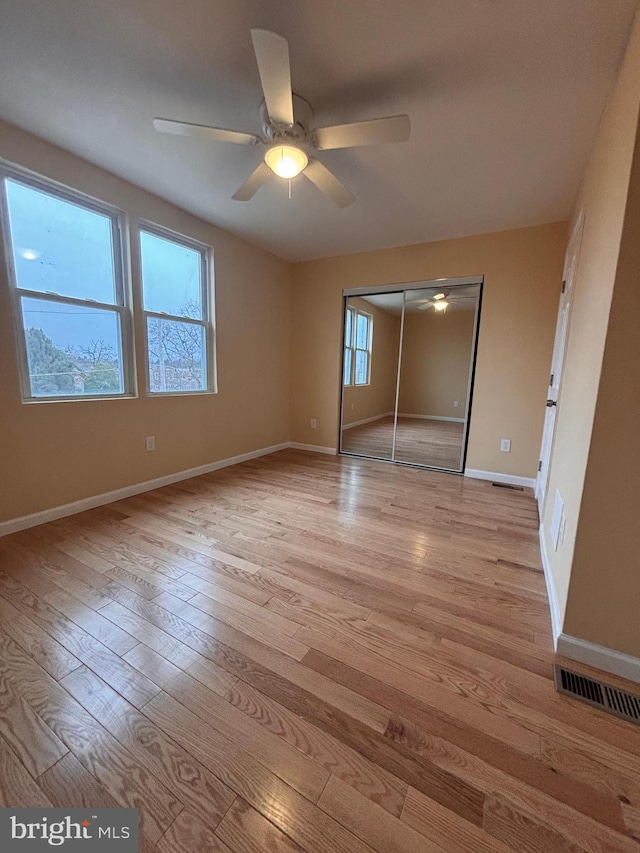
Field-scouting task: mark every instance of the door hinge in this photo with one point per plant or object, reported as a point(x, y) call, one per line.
point(540, 465)
point(564, 286)
point(551, 380)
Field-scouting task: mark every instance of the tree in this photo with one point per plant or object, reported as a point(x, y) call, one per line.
point(177, 345)
point(50, 369)
point(101, 379)
point(97, 352)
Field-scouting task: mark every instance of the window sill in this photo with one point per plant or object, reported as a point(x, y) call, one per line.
point(37, 400)
point(153, 394)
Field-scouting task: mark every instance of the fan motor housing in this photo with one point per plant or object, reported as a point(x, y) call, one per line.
point(302, 115)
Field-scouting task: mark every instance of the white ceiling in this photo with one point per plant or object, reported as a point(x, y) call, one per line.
point(504, 98)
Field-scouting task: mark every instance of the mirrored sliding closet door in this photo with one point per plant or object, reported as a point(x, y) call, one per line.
point(408, 363)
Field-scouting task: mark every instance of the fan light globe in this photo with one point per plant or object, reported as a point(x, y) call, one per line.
point(441, 305)
point(285, 160)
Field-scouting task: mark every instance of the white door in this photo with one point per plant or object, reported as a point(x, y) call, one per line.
point(559, 348)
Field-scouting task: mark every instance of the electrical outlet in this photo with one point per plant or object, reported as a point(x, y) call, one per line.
point(314, 423)
point(505, 445)
point(456, 403)
point(150, 443)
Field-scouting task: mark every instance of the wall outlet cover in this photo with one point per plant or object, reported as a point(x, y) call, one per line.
point(150, 443)
point(314, 423)
point(505, 445)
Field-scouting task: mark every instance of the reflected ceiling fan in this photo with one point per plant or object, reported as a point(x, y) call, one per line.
point(441, 301)
point(288, 132)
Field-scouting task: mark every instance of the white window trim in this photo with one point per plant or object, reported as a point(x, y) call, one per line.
point(207, 297)
point(122, 307)
point(351, 345)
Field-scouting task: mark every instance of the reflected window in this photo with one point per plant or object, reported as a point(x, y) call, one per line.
point(357, 352)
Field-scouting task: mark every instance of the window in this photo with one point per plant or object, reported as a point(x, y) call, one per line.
point(65, 260)
point(358, 336)
point(175, 287)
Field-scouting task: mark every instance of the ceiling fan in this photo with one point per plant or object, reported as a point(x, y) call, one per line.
point(288, 134)
point(441, 301)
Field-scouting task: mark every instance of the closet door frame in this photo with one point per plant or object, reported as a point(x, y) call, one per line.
point(404, 287)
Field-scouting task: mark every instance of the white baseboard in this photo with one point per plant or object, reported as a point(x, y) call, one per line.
point(313, 448)
point(509, 479)
point(556, 618)
point(599, 657)
point(36, 518)
point(368, 420)
point(431, 418)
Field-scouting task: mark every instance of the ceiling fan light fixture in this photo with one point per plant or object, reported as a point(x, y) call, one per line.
point(439, 296)
point(286, 161)
point(441, 305)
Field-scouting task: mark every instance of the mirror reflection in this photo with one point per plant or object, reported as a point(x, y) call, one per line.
point(408, 361)
point(372, 343)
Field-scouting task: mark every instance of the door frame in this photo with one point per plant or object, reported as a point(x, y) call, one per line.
point(560, 343)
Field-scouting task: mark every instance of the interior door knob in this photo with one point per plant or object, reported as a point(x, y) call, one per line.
point(551, 403)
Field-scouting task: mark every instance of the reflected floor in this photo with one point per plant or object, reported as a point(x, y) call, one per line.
point(422, 442)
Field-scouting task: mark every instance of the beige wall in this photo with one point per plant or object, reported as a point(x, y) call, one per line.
point(54, 453)
point(603, 198)
point(604, 585)
point(522, 269)
point(436, 361)
point(379, 396)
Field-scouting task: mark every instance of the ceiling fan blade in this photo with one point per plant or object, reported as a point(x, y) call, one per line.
point(256, 179)
point(327, 183)
point(217, 134)
point(374, 132)
point(272, 54)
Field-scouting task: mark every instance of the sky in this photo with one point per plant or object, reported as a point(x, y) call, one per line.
point(62, 248)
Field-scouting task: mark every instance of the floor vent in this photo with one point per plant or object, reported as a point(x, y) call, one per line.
point(508, 486)
point(597, 693)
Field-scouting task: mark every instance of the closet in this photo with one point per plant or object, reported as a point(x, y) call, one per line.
point(408, 365)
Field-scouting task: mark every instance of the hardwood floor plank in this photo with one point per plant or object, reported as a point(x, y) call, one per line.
point(166, 645)
point(17, 786)
point(92, 622)
point(245, 625)
point(193, 785)
point(188, 834)
point(25, 731)
point(120, 675)
point(163, 672)
point(460, 695)
point(371, 823)
point(582, 829)
point(244, 657)
point(444, 828)
point(51, 656)
point(285, 760)
point(292, 813)
point(102, 756)
point(447, 734)
point(522, 832)
point(68, 784)
point(303, 628)
point(342, 761)
point(245, 830)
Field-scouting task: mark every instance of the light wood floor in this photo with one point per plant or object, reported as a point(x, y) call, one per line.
point(419, 441)
point(305, 653)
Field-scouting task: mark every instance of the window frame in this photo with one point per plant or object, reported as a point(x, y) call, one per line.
point(207, 297)
point(354, 349)
point(123, 296)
